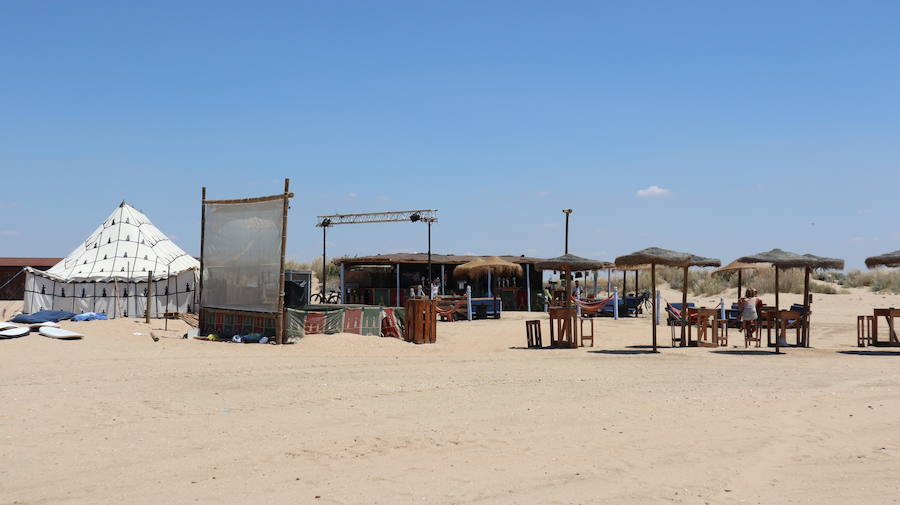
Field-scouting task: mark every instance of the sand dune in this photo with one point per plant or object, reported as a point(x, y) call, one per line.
point(119, 418)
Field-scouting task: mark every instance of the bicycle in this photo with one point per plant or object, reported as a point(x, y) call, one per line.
point(333, 297)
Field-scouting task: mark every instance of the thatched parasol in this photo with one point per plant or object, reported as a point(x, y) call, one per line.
point(636, 269)
point(739, 267)
point(657, 256)
point(784, 260)
point(496, 267)
point(568, 263)
point(479, 267)
point(891, 259)
point(571, 263)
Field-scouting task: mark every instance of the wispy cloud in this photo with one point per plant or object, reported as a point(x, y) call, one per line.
point(382, 198)
point(653, 192)
point(352, 195)
point(9, 233)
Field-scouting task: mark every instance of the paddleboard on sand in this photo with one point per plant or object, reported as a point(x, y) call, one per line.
point(6, 326)
point(18, 331)
point(59, 333)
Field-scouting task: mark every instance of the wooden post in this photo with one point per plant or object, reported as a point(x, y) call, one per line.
point(608, 281)
point(776, 321)
point(149, 293)
point(804, 332)
point(653, 288)
point(636, 287)
point(686, 320)
point(199, 286)
point(624, 282)
point(279, 321)
point(739, 283)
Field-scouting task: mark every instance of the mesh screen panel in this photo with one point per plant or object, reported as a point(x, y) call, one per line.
point(242, 255)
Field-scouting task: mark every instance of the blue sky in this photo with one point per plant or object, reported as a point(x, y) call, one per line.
point(768, 124)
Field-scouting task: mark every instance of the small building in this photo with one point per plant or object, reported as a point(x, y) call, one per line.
point(386, 279)
point(12, 275)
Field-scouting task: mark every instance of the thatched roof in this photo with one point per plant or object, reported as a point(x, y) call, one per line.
point(572, 263)
point(891, 259)
point(422, 258)
point(655, 255)
point(480, 267)
point(737, 265)
point(786, 259)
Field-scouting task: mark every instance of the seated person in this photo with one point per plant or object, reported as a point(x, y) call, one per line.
point(749, 308)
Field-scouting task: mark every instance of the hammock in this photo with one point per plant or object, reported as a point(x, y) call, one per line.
point(592, 306)
point(453, 308)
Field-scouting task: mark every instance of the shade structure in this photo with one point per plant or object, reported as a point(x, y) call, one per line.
point(572, 263)
point(739, 267)
point(658, 256)
point(891, 259)
point(784, 260)
point(479, 267)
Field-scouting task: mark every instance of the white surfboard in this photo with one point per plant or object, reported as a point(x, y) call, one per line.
point(35, 326)
point(59, 333)
point(18, 331)
point(6, 325)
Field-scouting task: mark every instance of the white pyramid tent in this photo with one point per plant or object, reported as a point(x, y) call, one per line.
point(108, 272)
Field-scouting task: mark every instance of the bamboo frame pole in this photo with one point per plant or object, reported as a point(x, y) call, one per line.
point(149, 294)
point(202, 241)
point(279, 321)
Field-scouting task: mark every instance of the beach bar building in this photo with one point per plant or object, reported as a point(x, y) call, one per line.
point(386, 279)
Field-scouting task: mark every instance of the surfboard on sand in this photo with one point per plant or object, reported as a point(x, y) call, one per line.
point(35, 326)
point(18, 331)
point(59, 333)
point(7, 326)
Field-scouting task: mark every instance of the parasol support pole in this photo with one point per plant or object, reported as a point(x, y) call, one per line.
point(616, 303)
point(739, 284)
point(655, 320)
point(469, 301)
point(528, 284)
point(658, 301)
point(684, 310)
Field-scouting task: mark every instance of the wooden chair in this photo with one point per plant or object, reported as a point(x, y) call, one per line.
point(864, 330)
point(710, 329)
point(676, 321)
point(533, 331)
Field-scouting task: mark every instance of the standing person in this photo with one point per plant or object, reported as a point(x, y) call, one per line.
point(578, 291)
point(749, 307)
point(435, 288)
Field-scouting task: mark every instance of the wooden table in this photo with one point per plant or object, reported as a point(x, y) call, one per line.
point(888, 315)
point(563, 328)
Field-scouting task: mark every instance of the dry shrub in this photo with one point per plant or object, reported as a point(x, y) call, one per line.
point(334, 272)
point(887, 280)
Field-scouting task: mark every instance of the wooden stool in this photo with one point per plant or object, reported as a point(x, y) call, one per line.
point(864, 330)
point(720, 332)
point(587, 337)
point(757, 331)
point(533, 330)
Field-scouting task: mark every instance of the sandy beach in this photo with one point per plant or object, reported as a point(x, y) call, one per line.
point(345, 419)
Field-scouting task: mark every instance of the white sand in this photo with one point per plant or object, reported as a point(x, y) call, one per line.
point(117, 418)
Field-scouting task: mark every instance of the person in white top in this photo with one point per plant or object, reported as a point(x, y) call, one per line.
point(579, 291)
point(435, 288)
